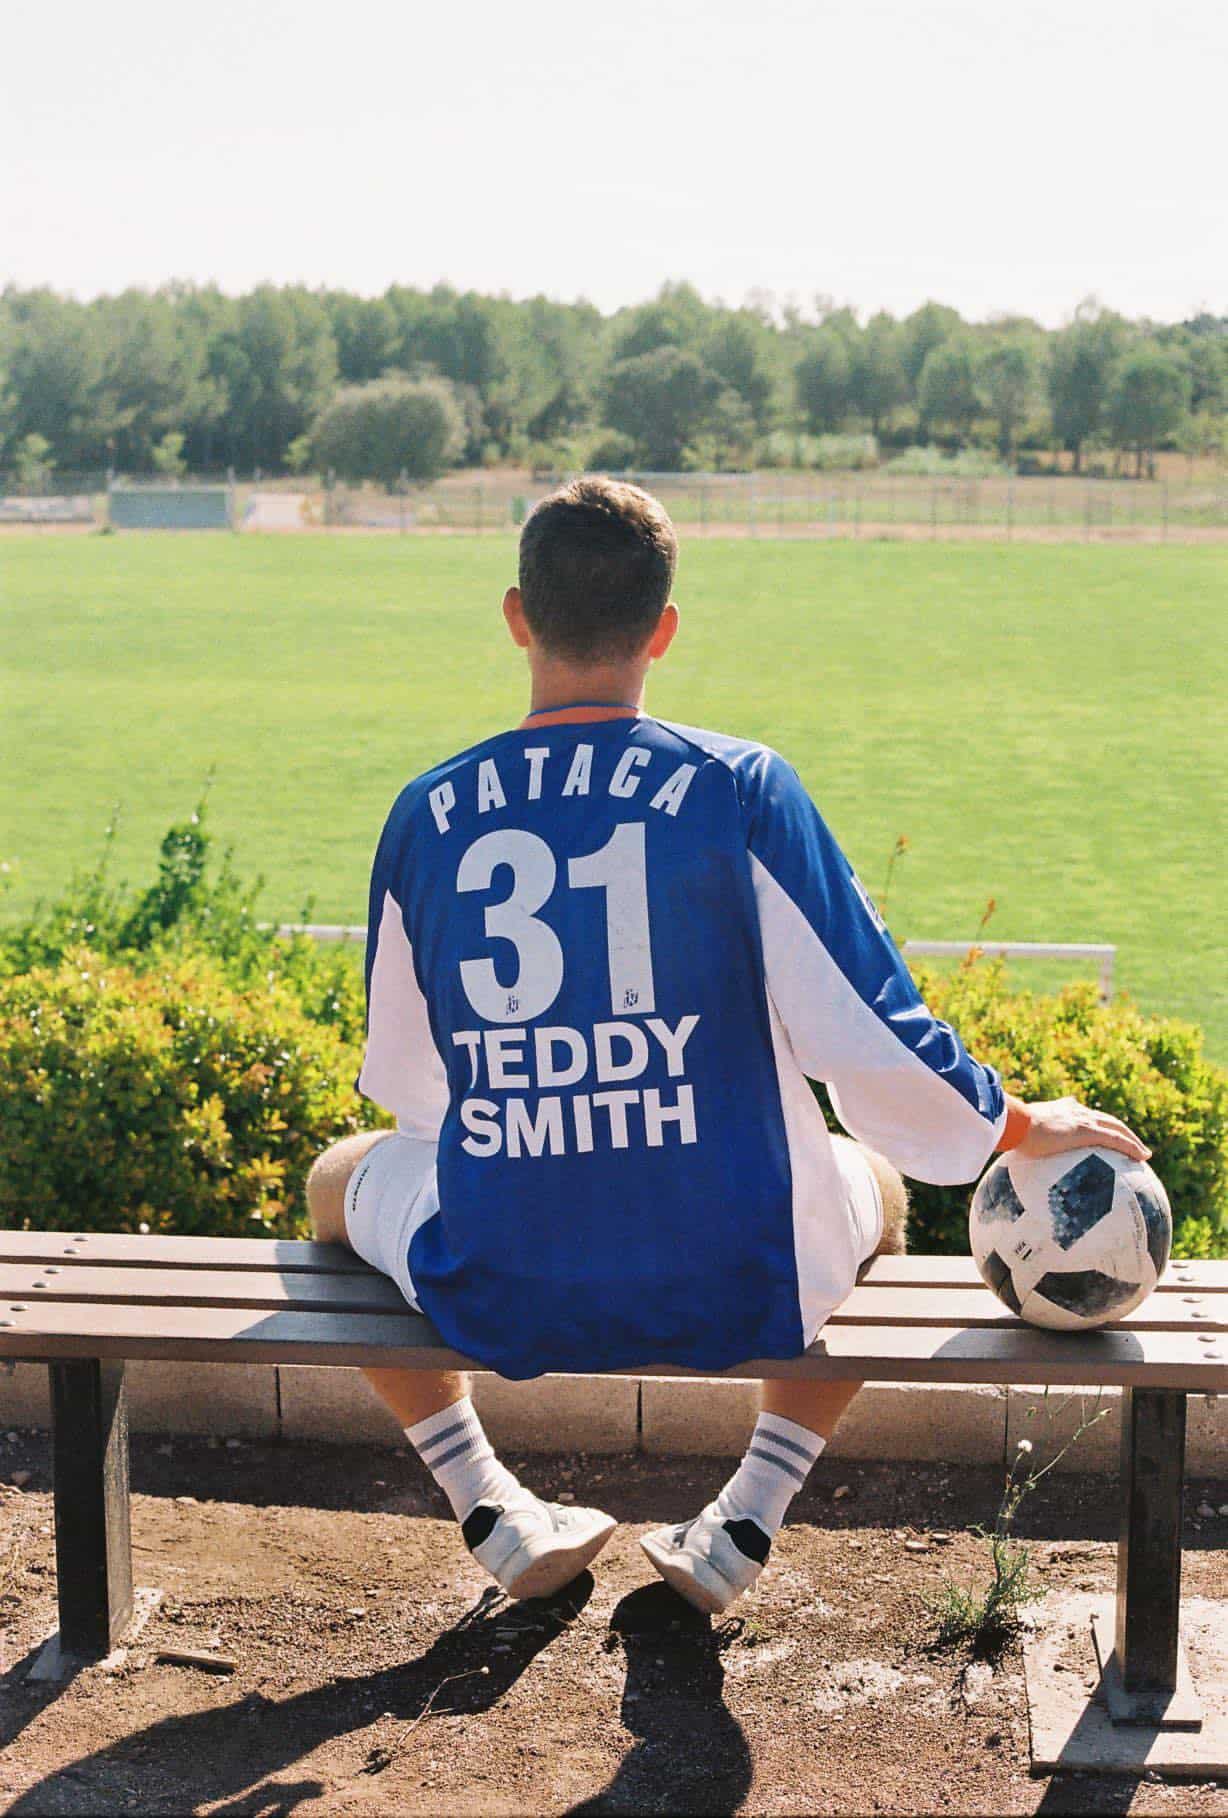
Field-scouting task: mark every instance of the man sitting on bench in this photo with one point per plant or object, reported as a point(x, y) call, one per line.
point(605, 955)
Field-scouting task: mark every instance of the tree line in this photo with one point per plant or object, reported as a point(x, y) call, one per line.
point(284, 378)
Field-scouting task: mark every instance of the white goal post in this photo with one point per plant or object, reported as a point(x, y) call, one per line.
point(1103, 954)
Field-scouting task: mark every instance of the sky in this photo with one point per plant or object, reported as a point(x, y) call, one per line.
point(1000, 155)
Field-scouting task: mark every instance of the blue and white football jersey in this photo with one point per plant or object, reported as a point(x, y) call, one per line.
point(603, 961)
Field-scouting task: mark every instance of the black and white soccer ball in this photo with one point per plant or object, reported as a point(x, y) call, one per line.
point(1070, 1241)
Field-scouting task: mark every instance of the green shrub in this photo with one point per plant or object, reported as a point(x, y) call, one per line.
point(968, 464)
point(610, 452)
point(165, 1059)
point(193, 906)
point(826, 454)
point(390, 427)
point(1149, 1071)
point(842, 454)
point(164, 1096)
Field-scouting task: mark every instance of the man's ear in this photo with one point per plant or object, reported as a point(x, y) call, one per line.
point(663, 636)
point(513, 613)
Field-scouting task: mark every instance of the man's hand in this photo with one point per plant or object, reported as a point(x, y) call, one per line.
point(1057, 1124)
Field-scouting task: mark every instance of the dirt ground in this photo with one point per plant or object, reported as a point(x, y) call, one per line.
point(373, 1672)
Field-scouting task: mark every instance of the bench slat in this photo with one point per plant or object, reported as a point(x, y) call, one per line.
point(268, 1290)
point(86, 1288)
point(1181, 1276)
point(1187, 1312)
point(120, 1249)
point(882, 1353)
point(125, 1249)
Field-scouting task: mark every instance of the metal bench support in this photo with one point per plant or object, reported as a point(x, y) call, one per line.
point(1149, 1545)
point(93, 1546)
point(1146, 1679)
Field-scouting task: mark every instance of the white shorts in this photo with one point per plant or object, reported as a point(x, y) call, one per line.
point(863, 1199)
point(394, 1190)
point(391, 1192)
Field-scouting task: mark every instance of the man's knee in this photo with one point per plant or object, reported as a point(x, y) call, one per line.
point(328, 1180)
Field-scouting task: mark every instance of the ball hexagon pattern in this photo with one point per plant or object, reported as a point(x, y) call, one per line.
point(1070, 1241)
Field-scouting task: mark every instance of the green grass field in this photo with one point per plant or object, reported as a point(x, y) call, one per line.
point(1047, 725)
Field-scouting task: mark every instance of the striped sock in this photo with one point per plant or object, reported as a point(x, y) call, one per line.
point(458, 1455)
point(774, 1469)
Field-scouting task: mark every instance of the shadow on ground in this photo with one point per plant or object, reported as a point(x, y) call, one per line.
point(466, 1671)
point(689, 1752)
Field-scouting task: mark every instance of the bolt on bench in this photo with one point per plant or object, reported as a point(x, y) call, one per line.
point(85, 1304)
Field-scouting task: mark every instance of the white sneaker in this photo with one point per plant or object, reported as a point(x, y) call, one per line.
point(532, 1548)
point(711, 1560)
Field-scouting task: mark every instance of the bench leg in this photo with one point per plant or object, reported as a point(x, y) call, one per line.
point(93, 1546)
point(1146, 1679)
point(1149, 1545)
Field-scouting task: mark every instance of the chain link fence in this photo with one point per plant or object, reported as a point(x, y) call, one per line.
point(781, 504)
point(773, 504)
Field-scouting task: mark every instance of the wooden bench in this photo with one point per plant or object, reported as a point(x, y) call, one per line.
point(85, 1304)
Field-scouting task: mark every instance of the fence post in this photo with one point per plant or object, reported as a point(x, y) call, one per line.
point(933, 510)
point(1164, 511)
point(1106, 976)
point(703, 507)
point(1010, 508)
point(1087, 513)
point(752, 499)
point(857, 510)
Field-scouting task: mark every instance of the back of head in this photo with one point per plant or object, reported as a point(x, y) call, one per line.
point(597, 562)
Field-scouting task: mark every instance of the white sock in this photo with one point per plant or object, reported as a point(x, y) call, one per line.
point(774, 1469)
point(458, 1455)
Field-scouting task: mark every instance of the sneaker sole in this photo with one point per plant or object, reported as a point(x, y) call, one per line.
point(694, 1579)
point(530, 1573)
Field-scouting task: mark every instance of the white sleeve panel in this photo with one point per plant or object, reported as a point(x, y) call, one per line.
point(882, 1092)
point(401, 1068)
point(823, 1241)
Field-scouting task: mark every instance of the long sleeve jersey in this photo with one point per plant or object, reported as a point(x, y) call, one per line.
point(604, 961)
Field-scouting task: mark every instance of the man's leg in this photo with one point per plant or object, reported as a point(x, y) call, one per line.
point(818, 1406)
point(712, 1560)
point(532, 1548)
point(432, 1406)
point(412, 1395)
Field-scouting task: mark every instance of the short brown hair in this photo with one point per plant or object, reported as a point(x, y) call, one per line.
point(597, 562)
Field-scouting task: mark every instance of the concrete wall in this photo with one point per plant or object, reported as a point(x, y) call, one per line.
point(621, 1414)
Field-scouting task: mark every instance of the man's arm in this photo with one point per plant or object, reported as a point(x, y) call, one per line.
point(899, 1078)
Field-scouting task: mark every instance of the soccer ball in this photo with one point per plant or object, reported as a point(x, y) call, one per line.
point(1070, 1241)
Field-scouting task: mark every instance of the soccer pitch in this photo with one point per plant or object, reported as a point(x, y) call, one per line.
point(1046, 725)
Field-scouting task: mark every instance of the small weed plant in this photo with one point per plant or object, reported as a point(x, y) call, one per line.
point(985, 1618)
